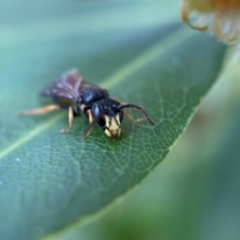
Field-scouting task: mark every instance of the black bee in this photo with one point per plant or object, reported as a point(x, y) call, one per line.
point(82, 98)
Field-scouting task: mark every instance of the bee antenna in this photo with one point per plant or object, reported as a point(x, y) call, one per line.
point(139, 109)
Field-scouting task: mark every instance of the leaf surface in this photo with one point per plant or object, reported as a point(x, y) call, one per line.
point(48, 180)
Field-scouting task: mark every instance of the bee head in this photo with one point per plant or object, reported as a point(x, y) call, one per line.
point(108, 116)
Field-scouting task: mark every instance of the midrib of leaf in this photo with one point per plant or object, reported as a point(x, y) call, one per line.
point(159, 49)
point(30, 135)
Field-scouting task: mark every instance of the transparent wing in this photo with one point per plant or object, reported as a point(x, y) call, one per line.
point(67, 87)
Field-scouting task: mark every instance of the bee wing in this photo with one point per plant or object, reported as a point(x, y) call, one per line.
point(67, 87)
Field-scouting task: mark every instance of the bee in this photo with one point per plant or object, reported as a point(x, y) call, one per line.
point(82, 98)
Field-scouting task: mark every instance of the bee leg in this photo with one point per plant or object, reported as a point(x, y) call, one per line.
point(70, 121)
point(89, 128)
point(137, 120)
point(87, 133)
point(39, 111)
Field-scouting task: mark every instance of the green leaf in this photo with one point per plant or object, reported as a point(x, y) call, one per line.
point(197, 195)
point(49, 180)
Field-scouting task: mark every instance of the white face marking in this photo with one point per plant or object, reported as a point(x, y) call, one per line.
point(113, 129)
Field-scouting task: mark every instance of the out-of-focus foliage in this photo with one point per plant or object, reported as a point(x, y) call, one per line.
point(140, 52)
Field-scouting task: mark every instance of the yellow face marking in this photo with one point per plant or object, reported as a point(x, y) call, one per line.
point(111, 124)
point(82, 107)
point(113, 129)
point(107, 132)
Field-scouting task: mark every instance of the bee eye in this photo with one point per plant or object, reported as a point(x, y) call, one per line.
point(96, 111)
point(98, 115)
point(102, 123)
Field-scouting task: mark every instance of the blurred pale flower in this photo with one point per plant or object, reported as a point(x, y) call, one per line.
point(221, 17)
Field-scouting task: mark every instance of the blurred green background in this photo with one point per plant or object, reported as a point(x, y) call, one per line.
point(195, 192)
